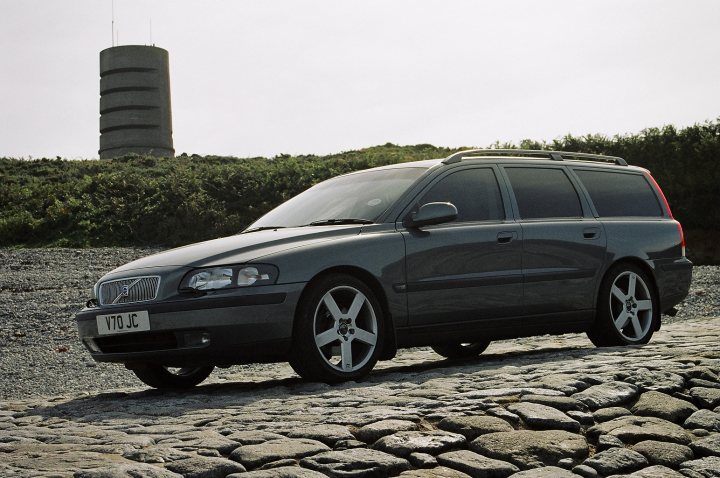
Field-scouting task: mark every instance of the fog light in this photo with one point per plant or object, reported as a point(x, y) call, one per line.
point(196, 339)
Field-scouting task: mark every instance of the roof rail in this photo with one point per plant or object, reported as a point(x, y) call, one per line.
point(533, 153)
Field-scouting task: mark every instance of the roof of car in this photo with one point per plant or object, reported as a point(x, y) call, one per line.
point(517, 155)
point(533, 154)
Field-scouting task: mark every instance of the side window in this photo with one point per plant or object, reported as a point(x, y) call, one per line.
point(617, 194)
point(474, 192)
point(544, 193)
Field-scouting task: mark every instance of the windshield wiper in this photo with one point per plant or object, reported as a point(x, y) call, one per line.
point(261, 228)
point(331, 222)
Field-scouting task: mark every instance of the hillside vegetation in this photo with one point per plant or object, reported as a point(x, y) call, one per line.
point(153, 201)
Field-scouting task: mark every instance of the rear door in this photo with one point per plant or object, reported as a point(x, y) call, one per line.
point(467, 271)
point(637, 225)
point(563, 244)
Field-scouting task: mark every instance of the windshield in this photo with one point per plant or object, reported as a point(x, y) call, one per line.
point(355, 198)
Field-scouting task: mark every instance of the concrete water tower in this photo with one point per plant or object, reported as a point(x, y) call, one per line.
point(135, 114)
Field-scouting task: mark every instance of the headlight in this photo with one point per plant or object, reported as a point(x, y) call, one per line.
point(229, 277)
point(250, 275)
point(211, 279)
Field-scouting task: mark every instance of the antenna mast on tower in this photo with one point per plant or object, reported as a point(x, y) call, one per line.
point(112, 22)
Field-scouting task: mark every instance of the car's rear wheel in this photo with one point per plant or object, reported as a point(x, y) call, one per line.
point(461, 350)
point(160, 376)
point(338, 332)
point(627, 308)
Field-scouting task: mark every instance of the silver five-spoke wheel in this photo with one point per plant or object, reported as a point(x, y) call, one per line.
point(631, 306)
point(338, 332)
point(627, 310)
point(345, 328)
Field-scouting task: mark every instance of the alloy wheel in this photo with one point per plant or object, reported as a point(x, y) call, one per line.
point(631, 306)
point(345, 328)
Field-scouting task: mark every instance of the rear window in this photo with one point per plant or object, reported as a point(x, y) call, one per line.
point(544, 193)
point(617, 194)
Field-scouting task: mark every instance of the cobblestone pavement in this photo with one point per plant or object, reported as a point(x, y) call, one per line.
point(42, 289)
point(540, 407)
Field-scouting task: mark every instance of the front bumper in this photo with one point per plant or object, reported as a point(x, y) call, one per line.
point(244, 326)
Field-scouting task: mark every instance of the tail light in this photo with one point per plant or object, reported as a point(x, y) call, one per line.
point(662, 194)
point(667, 208)
point(682, 238)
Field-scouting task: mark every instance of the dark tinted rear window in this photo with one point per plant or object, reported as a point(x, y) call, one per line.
point(544, 193)
point(617, 194)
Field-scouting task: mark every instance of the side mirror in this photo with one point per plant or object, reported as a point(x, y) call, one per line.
point(432, 213)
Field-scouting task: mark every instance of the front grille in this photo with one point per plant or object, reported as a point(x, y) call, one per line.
point(137, 342)
point(127, 291)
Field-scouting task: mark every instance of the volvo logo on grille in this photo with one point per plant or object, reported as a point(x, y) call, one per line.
point(128, 290)
point(125, 291)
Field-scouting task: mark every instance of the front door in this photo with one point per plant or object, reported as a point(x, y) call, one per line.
point(464, 276)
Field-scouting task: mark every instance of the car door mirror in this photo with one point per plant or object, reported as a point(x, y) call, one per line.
point(432, 213)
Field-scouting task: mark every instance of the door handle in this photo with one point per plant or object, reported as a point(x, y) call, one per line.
point(591, 232)
point(506, 237)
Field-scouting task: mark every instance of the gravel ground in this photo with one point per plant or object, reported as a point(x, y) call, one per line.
point(41, 355)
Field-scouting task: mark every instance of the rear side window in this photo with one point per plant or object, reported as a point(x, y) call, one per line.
point(474, 192)
point(544, 193)
point(617, 194)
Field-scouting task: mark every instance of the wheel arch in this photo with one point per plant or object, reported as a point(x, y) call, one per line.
point(390, 343)
point(643, 266)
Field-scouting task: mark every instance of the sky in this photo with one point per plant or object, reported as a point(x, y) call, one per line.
point(262, 78)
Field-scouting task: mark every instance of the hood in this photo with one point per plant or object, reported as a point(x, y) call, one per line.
point(241, 248)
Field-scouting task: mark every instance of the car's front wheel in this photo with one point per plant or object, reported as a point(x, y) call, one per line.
point(461, 350)
point(338, 332)
point(627, 310)
point(160, 376)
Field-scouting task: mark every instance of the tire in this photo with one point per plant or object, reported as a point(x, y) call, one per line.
point(159, 376)
point(339, 330)
point(628, 308)
point(462, 350)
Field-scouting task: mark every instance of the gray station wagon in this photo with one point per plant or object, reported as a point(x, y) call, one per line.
point(452, 253)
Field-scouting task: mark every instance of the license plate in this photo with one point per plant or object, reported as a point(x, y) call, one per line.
point(123, 322)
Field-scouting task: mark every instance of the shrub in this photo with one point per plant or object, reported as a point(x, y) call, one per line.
point(135, 200)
